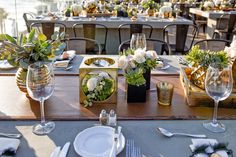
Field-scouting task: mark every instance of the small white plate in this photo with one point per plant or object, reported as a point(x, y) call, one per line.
point(4, 65)
point(97, 141)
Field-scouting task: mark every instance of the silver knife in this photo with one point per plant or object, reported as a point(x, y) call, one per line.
point(55, 152)
point(64, 150)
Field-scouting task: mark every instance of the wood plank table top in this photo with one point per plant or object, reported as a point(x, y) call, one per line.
point(64, 103)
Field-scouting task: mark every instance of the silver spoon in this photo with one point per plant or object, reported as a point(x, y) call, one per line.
point(169, 134)
point(10, 135)
point(68, 68)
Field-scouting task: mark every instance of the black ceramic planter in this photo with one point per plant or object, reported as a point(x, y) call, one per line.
point(147, 77)
point(136, 93)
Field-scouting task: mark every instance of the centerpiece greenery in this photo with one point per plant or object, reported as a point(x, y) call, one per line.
point(135, 63)
point(200, 61)
point(97, 87)
point(28, 49)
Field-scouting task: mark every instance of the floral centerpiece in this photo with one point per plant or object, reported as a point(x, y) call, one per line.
point(97, 87)
point(28, 49)
point(76, 9)
point(135, 63)
point(208, 5)
point(151, 6)
point(200, 61)
point(90, 6)
point(166, 11)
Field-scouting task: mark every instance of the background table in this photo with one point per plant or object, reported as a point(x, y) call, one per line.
point(113, 36)
point(212, 17)
point(144, 133)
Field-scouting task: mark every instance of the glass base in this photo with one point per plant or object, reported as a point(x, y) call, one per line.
point(216, 128)
point(43, 128)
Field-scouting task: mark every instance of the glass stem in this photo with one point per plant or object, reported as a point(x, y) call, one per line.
point(214, 119)
point(42, 111)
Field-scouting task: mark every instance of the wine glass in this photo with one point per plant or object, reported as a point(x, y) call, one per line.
point(61, 6)
point(138, 41)
point(218, 84)
point(40, 86)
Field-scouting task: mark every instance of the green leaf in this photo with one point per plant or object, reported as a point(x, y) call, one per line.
point(20, 40)
point(10, 39)
point(42, 37)
point(31, 35)
point(2, 37)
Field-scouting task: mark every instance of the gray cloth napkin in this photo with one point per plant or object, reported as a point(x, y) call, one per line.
point(9, 145)
point(197, 143)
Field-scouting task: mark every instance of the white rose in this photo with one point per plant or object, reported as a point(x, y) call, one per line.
point(233, 44)
point(103, 75)
point(122, 62)
point(151, 54)
point(140, 51)
point(76, 8)
point(232, 53)
point(92, 83)
point(217, 2)
point(139, 58)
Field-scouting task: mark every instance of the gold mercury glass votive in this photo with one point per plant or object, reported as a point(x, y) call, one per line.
point(164, 93)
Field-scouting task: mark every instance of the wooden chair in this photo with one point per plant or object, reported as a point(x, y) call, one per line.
point(48, 28)
point(159, 46)
point(180, 37)
point(212, 44)
point(225, 27)
point(27, 16)
point(134, 28)
point(83, 45)
point(89, 30)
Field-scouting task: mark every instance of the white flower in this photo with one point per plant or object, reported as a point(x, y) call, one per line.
point(208, 4)
point(103, 75)
point(122, 62)
point(217, 2)
point(140, 51)
point(76, 8)
point(92, 83)
point(151, 54)
point(139, 58)
point(231, 51)
point(164, 9)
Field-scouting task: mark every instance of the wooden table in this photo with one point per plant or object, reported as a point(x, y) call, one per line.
point(64, 104)
point(212, 17)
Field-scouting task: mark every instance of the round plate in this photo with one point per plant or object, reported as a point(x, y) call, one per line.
point(4, 65)
point(97, 141)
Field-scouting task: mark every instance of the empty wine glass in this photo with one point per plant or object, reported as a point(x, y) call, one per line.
point(218, 84)
point(138, 41)
point(40, 86)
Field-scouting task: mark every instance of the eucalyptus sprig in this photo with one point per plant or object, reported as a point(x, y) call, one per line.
point(27, 49)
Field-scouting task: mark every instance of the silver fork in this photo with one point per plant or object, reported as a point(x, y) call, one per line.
point(129, 148)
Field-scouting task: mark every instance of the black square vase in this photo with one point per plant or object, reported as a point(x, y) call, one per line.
point(136, 94)
point(147, 77)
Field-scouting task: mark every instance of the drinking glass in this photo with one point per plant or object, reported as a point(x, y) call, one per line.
point(40, 86)
point(61, 6)
point(218, 84)
point(138, 41)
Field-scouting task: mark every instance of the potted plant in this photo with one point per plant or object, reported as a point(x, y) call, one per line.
point(150, 6)
point(135, 63)
point(28, 49)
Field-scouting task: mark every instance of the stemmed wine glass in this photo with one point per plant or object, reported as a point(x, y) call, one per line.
point(40, 86)
point(138, 41)
point(218, 84)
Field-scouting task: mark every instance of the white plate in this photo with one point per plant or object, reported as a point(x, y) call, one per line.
point(97, 142)
point(4, 65)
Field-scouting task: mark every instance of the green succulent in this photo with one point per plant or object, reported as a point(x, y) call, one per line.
point(26, 50)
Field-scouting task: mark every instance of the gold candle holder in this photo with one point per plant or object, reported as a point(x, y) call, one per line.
point(164, 93)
